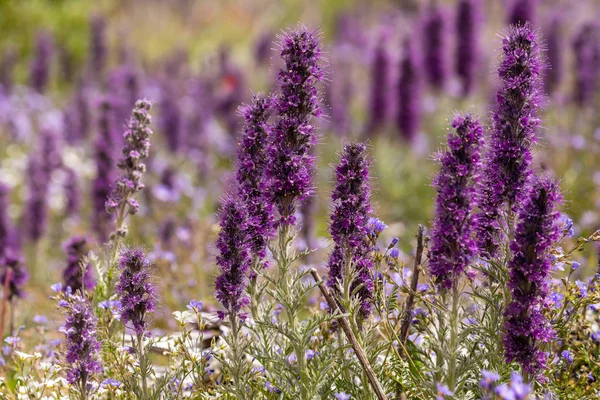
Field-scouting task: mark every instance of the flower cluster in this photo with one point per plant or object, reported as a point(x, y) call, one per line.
point(507, 169)
point(252, 163)
point(135, 290)
point(452, 244)
point(538, 230)
point(135, 150)
point(350, 221)
point(12, 268)
point(233, 259)
point(290, 160)
point(82, 344)
point(77, 276)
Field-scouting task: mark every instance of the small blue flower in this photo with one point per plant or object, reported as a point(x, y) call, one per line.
point(567, 356)
point(110, 382)
point(63, 303)
point(575, 265)
point(12, 340)
point(342, 396)
point(195, 305)
point(489, 379)
point(57, 287)
point(394, 253)
point(310, 354)
point(443, 390)
point(393, 242)
point(40, 319)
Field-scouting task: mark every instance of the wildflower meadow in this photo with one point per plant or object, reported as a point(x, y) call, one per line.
point(386, 200)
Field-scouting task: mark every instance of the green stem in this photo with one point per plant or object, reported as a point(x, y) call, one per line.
point(143, 366)
point(453, 336)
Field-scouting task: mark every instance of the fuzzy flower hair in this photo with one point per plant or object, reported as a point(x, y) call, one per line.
point(252, 164)
point(350, 222)
point(136, 291)
point(538, 230)
point(290, 161)
point(452, 244)
point(234, 256)
point(507, 167)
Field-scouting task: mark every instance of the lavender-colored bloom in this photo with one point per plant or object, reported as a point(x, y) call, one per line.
point(538, 229)
point(12, 264)
point(408, 118)
point(234, 256)
point(522, 11)
point(76, 249)
point(83, 348)
point(587, 60)
point(567, 356)
point(380, 102)
point(98, 51)
point(40, 66)
point(467, 42)
point(250, 176)
point(290, 160)
point(489, 379)
point(507, 167)
point(35, 218)
point(171, 120)
point(349, 224)
point(339, 92)
point(135, 290)
point(104, 151)
point(435, 46)
point(554, 51)
point(262, 49)
point(452, 246)
point(135, 151)
point(72, 193)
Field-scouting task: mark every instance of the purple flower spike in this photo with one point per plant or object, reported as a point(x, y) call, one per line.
point(252, 164)
point(136, 291)
point(507, 168)
point(83, 348)
point(350, 220)
point(435, 37)
point(98, 45)
point(452, 246)
point(380, 102)
point(587, 59)
point(234, 258)
point(468, 21)
point(408, 118)
point(538, 230)
point(76, 249)
point(554, 45)
point(135, 150)
point(36, 211)
point(39, 74)
point(72, 193)
point(290, 161)
point(6, 230)
point(522, 11)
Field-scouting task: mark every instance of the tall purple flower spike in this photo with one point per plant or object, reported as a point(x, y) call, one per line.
point(290, 161)
point(83, 348)
point(452, 245)
point(18, 274)
point(554, 50)
point(349, 224)
point(435, 54)
point(76, 249)
point(408, 117)
point(252, 164)
point(380, 101)
point(39, 75)
point(538, 230)
point(136, 291)
point(234, 258)
point(468, 52)
point(587, 59)
point(98, 48)
point(507, 166)
point(522, 11)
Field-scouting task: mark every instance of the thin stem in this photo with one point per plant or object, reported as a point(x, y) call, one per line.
point(360, 354)
point(143, 366)
point(453, 336)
